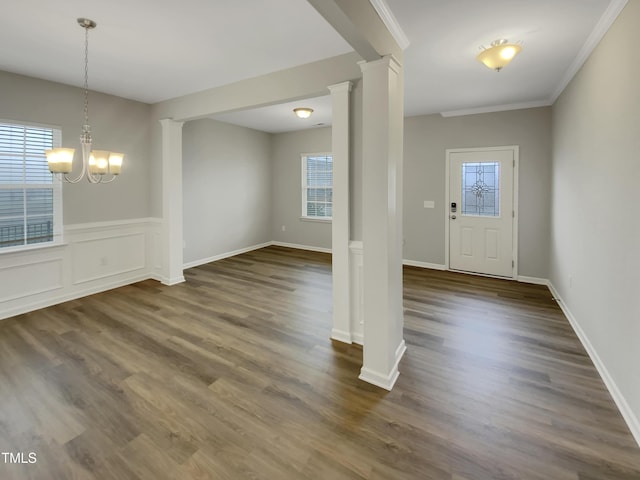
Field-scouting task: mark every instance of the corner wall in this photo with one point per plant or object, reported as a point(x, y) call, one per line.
point(117, 124)
point(226, 175)
point(286, 152)
point(595, 228)
point(109, 237)
point(426, 139)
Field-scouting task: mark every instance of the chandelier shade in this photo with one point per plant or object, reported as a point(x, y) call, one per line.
point(96, 164)
point(499, 54)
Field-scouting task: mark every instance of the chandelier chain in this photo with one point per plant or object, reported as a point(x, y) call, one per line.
point(96, 164)
point(86, 76)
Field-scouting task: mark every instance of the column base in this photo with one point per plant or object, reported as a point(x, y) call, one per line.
point(341, 336)
point(384, 380)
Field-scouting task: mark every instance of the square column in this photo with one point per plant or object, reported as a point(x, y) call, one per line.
point(172, 202)
point(382, 101)
point(340, 270)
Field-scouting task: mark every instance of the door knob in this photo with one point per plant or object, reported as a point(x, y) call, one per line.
point(453, 217)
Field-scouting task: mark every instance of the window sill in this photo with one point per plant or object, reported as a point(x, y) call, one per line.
point(317, 219)
point(31, 248)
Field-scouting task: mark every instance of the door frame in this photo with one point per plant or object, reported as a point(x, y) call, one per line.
point(516, 157)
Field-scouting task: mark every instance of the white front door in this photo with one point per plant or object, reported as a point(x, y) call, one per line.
point(481, 210)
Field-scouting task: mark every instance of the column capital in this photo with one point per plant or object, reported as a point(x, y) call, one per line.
point(166, 122)
point(388, 61)
point(341, 87)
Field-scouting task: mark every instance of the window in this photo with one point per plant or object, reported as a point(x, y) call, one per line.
point(317, 185)
point(30, 196)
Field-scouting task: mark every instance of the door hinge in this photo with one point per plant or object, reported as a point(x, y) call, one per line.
point(514, 162)
point(513, 214)
point(513, 264)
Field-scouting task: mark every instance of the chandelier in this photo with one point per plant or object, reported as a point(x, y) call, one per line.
point(99, 166)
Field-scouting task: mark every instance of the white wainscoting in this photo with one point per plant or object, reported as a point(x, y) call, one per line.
point(92, 258)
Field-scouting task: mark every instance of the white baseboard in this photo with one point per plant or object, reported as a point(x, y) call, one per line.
point(626, 411)
point(386, 381)
point(66, 297)
point(220, 256)
point(437, 266)
point(341, 336)
point(533, 280)
point(301, 247)
point(172, 281)
point(415, 263)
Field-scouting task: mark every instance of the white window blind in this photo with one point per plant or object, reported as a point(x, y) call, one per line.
point(317, 185)
point(30, 197)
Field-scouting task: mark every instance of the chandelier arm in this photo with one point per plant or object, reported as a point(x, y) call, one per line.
point(85, 161)
point(113, 177)
point(70, 180)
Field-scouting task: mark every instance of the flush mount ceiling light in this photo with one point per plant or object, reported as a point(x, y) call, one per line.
point(303, 112)
point(499, 54)
point(95, 163)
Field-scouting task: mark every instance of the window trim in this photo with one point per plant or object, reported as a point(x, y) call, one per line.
point(304, 187)
point(56, 188)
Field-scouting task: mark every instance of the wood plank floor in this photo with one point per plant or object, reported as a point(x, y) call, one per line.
point(231, 375)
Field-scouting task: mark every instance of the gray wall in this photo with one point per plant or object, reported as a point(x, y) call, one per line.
point(595, 264)
point(226, 188)
point(287, 187)
point(426, 139)
point(117, 124)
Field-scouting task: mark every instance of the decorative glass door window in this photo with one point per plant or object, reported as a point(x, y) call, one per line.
point(481, 189)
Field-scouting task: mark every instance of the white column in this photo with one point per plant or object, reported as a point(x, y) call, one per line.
point(171, 202)
point(341, 272)
point(382, 101)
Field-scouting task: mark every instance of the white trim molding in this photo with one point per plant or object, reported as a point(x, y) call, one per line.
point(497, 108)
point(533, 280)
point(95, 257)
point(622, 404)
point(431, 266)
point(608, 17)
point(221, 256)
point(389, 20)
point(300, 247)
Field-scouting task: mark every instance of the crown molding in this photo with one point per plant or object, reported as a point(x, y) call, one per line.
point(599, 31)
point(389, 20)
point(497, 108)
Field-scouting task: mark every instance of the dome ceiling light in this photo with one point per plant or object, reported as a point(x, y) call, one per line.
point(499, 54)
point(303, 112)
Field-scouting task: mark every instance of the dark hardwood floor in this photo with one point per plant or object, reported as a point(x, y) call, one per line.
point(232, 375)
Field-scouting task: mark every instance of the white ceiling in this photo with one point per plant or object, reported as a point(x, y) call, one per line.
point(152, 50)
point(442, 73)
